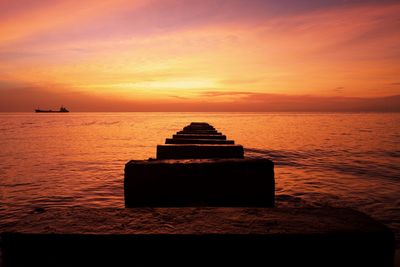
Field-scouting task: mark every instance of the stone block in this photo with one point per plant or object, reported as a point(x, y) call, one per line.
point(200, 123)
point(199, 127)
point(199, 136)
point(208, 182)
point(198, 141)
point(206, 132)
point(199, 151)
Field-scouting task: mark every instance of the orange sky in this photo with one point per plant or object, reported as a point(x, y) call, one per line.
point(196, 53)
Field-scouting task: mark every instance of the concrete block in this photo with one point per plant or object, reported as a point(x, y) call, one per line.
point(199, 151)
point(197, 237)
point(198, 141)
point(199, 127)
point(200, 123)
point(212, 132)
point(208, 182)
point(199, 136)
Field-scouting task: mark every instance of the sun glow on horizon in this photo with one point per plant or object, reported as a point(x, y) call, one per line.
point(163, 49)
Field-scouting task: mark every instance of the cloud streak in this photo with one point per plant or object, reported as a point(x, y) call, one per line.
point(29, 98)
point(162, 50)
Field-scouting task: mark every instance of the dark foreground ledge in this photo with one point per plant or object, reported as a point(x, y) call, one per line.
point(198, 236)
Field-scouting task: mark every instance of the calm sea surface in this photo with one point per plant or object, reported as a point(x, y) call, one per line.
point(77, 159)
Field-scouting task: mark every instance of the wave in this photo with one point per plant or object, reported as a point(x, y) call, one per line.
point(100, 123)
point(371, 164)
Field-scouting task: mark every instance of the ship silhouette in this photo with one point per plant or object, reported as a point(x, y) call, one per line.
point(61, 110)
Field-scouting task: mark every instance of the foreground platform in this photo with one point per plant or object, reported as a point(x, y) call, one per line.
point(197, 237)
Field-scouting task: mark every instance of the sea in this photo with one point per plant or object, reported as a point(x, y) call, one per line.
point(321, 159)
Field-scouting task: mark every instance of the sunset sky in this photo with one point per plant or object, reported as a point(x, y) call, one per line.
point(205, 55)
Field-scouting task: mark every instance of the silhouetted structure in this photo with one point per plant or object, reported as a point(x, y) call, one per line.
point(199, 167)
point(194, 182)
point(61, 110)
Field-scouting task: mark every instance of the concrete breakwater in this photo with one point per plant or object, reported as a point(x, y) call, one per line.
point(199, 202)
point(199, 173)
point(199, 141)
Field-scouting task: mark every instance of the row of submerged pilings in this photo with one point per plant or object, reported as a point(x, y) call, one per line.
point(198, 166)
point(200, 202)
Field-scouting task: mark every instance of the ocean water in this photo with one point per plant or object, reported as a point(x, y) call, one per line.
point(77, 159)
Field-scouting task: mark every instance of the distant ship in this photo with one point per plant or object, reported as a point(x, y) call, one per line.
point(62, 110)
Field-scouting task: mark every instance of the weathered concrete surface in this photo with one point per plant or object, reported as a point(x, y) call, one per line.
point(198, 237)
point(199, 141)
point(199, 136)
point(199, 151)
point(207, 182)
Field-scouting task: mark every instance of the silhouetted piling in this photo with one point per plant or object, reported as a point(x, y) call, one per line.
point(198, 141)
point(191, 143)
point(209, 132)
point(199, 169)
point(199, 127)
point(193, 182)
point(199, 151)
point(199, 136)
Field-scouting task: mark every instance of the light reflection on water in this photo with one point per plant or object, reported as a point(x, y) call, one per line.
point(77, 159)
